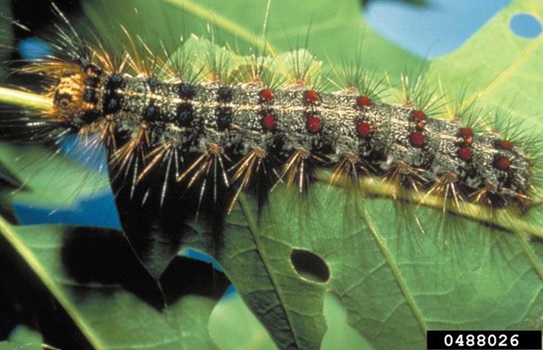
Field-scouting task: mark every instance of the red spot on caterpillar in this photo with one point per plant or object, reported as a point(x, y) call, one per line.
point(418, 115)
point(363, 101)
point(464, 153)
point(268, 122)
point(466, 132)
point(313, 124)
point(417, 139)
point(266, 95)
point(311, 97)
point(363, 129)
point(505, 145)
point(502, 163)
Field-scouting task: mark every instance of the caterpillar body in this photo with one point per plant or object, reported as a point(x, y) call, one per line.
point(239, 126)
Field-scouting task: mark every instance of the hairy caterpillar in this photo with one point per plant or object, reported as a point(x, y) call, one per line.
point(215, 135)
point(232, 128)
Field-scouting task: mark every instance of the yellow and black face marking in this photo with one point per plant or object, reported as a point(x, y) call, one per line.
point(76, 97)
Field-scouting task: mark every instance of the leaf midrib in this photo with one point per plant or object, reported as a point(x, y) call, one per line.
point(253, 227)
point(394, 268)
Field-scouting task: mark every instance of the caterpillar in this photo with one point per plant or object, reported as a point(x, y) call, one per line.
point(197, 130)
point(233, 128)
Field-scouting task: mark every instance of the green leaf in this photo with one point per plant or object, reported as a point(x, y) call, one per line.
point(23, 338)
point(289, 24)
point(8, 345)
point(395, 283)
point(107, 315)
point(224, 326)
point(42, 176)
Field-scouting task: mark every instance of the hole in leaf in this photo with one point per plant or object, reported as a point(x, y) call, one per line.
point(525, 25)
point(310, 266)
